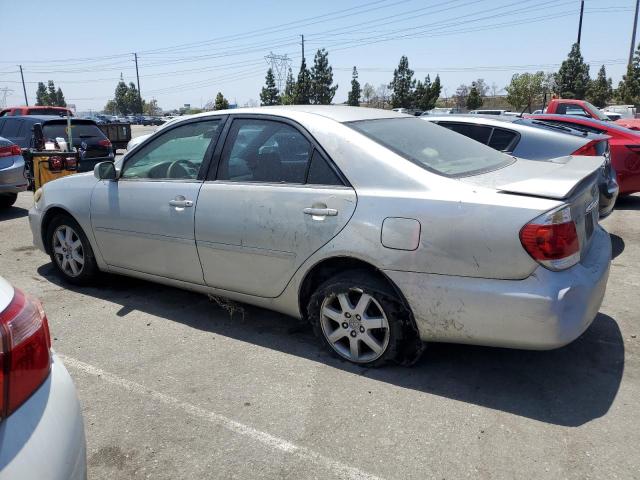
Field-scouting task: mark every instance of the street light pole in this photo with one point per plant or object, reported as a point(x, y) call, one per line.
point(580, 24)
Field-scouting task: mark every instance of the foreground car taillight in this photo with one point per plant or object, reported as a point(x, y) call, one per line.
point(10, 151)
point(25, 344)
point(552, 239)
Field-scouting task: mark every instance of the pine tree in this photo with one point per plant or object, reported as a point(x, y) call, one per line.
point(42, 97)
point(269, 94)
point(573, 77)
point(60, 102)
point(402, 85)
point(289, 94)
point(629, 87)
point(303, 85)
point(322, 88)
point(419, 94)
point(356, 91)
point(600, 90)
point(434, 93)
point(221, 103)
point(121, 98)
point(51, 93)
point(133, 100)
point(474, 100)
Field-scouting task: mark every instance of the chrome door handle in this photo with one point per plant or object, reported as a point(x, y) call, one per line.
point(181, 203)
point(321, 212)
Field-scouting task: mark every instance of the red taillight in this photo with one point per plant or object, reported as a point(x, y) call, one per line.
point(25, 344)
point(104, 143)
point(56, 164)
point(588, 150)
point(10, 151)
point(552, 240)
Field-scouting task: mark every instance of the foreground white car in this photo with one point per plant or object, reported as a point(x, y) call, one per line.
point(41, 428)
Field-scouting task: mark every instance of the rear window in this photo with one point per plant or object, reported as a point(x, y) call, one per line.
point(78, 130)
point(432, 147)
point(48, 111)
point(479, 133)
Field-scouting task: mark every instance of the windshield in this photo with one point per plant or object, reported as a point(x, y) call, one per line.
point(596, 111)
point(432, 147)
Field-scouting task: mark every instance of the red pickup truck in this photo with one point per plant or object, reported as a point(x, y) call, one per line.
point(563, 106)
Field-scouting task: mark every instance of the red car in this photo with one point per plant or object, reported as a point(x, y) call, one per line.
point(16, 111)
point(624, 144)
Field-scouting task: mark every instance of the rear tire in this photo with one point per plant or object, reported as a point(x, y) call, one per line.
point(8, 199)
point(361, 319)
point(70, 251)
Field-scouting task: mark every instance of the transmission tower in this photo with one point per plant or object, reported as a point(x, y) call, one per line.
point(280, 65)
point(4, 92)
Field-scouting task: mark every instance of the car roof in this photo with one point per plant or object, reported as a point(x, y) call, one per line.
point(474, 118)
point(338, 113)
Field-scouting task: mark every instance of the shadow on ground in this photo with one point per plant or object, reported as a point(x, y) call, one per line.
point(12, 213)
point(568, 386)
point(617, 245)
point(630, 202)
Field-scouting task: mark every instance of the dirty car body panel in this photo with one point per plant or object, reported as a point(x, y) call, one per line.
point(441, 221)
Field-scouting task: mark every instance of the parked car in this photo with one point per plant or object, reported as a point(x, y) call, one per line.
point(17, 111)
point(624, 144)
point(95, 147)
point(40, 418)
point(492, 112)
point(537, 140)
point(439, 111)
point(582, 108)
point(12, 173)
point(382, 230)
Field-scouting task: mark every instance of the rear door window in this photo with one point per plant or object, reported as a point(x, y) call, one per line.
point(503, 140)
point(11, 128)
point(479, 133)
point(321, 173)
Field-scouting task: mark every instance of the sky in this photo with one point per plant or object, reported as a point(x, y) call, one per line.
point(190, 50)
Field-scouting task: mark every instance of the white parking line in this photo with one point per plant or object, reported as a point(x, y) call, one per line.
point(340, 469)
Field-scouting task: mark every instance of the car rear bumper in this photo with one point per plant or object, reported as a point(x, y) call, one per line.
point(12, 178)
point(544, 311)
point(45, 438)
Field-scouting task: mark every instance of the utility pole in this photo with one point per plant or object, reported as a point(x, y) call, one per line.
point(24, 89)
point(135, 56)
point(580, 24)
point(302, 46)
point(633, 35)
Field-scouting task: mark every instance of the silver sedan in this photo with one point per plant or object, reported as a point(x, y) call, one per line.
point(12, 175)
point(380, 229)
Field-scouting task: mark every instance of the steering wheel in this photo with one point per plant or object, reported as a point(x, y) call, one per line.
point(182, 169)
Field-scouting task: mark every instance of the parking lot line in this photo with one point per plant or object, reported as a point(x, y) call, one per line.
point(340, 469)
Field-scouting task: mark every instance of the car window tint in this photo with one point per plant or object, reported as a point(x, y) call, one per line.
point(264, 151)
point(502, 139)
point(2, 122)
point(320, 173)
point(478, 132)
point(175, 154)
point(12, 128)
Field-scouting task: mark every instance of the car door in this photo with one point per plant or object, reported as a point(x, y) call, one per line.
point(275, 200)
point(144, 221)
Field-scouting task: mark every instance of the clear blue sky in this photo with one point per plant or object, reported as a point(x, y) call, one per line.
point(189, 50)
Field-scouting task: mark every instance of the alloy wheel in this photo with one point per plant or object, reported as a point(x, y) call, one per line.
point(68, 251)
point(355, 325)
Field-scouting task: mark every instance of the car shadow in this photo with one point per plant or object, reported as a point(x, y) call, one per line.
point(630, 202)
point(617, 245)
point(12, 213)
point(569, 386)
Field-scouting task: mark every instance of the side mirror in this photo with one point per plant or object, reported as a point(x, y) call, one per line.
point(38, 136)
point(105, 171)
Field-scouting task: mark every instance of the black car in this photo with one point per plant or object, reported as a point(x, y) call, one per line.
point(87, 137)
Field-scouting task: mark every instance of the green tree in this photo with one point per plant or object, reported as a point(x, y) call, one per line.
point(42, 97)
point(134, 103)
point(322, 88)
point(402, 85)
point(269, 94)
point(152, 108)
point(434, 94)
point(525, 89)
point(60, 101)
point(51, 93)
point(289, 94)
point(600, 90)
point(573, 77)
point(474, 100)
point(426, 94)
point(356, 91)
point(628, 91)
point(221, 103)
point(303, 85)
point(121, 98)
point(110, 107)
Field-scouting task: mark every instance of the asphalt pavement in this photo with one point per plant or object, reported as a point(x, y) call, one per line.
point(174, 386)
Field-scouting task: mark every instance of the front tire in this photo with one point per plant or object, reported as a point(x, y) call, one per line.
point(362, 319)
point(70, 251)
